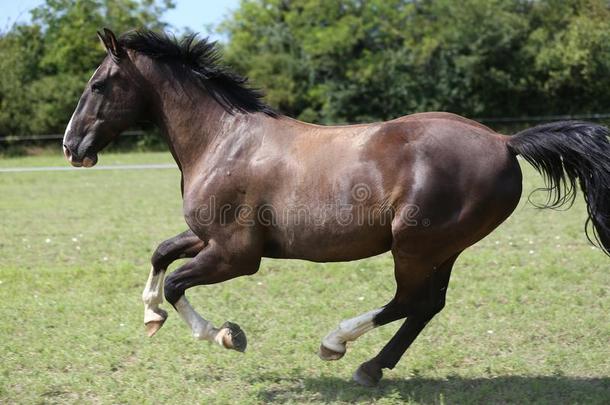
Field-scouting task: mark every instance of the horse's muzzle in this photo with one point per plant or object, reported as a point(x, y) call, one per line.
point(87, 161)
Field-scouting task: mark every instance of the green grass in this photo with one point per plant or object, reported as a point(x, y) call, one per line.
point(526, 317)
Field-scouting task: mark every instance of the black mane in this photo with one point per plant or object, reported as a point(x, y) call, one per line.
point(202, 60)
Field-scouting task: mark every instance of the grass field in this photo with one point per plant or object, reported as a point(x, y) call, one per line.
point(526, 317)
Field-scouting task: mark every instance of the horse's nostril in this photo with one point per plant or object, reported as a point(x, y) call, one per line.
point(67, 152)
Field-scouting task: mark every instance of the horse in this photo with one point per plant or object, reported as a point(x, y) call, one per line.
point(258, 184)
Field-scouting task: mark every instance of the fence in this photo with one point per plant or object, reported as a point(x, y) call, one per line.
point(507, 125)
point(32, 144)
point(48, 137)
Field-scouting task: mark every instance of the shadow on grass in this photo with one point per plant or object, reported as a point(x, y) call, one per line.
point(503, 389)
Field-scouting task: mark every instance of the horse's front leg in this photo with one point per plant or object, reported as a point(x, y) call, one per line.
point(214, 264)
point(186, 244)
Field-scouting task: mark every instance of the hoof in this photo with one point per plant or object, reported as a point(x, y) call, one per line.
point(368, 374)
point(153, 327)
point(153, 320)
point(327, 354)
point(234, 338)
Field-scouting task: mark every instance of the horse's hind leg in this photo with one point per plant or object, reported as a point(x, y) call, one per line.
point(186, 244)
point(334, 345)
point(419, 308)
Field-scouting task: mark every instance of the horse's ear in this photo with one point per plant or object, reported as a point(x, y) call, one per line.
point(102, 39)
point(110, 43)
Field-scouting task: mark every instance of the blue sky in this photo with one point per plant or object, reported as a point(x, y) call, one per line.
point(194, 14)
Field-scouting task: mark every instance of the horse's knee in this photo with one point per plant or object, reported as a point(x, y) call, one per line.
point(161, 257)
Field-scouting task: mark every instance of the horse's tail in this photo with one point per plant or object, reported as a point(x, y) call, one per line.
point(568, 152)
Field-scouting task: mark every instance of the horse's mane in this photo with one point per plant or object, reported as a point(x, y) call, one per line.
point(199, 58)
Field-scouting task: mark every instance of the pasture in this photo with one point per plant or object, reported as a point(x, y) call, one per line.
point(526, 317)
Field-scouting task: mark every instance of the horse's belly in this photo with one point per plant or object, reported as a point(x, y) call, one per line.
point(325, 243)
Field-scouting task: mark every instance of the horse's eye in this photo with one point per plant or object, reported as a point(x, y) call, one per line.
point(98, 87)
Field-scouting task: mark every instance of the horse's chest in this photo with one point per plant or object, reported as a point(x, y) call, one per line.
point(212, 203)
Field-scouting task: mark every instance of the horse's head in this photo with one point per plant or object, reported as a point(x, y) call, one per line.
point(111, 102)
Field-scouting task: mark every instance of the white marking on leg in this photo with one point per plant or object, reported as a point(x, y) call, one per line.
point(350, 330)
point(200, 328)
point(152, 296)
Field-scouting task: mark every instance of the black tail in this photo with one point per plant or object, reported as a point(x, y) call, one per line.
point(567, 153)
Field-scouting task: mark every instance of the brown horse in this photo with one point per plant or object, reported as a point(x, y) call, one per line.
point(256, 184)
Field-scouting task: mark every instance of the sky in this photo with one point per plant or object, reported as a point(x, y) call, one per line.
point(194, 14)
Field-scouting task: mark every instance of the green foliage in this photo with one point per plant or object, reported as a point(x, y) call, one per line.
point(572, 63)
point(337, 61)
point(44, 65)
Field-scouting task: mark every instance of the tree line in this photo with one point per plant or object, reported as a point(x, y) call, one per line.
point(331, 61)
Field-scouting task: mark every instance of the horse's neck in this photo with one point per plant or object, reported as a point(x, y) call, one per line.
point(195, 125)
point(189, 123)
